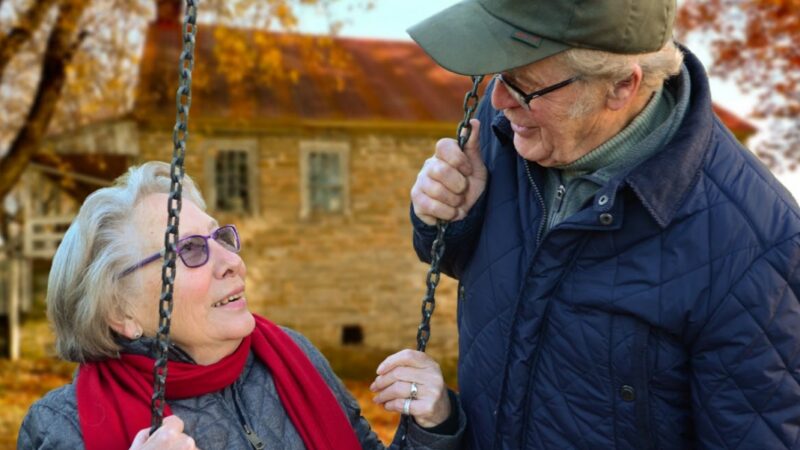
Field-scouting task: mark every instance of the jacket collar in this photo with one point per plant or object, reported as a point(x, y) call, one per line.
point(663, 181)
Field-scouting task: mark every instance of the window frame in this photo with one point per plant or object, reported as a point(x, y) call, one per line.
point(213, 147)
point(307, 148)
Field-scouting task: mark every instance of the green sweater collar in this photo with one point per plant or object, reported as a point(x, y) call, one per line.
point(621, 150)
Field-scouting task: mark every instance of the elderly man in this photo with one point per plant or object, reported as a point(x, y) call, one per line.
point(628, 272)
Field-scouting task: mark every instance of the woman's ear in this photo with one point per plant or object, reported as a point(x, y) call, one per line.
point(625, 91)
point(126, 326)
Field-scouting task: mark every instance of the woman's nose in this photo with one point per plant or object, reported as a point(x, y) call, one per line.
point(225, 261)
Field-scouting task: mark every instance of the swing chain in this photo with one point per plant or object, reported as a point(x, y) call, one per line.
point(180, 134)
point(464, 131)
point(471, 101)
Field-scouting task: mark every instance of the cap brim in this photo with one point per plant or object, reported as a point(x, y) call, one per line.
point(467, 39)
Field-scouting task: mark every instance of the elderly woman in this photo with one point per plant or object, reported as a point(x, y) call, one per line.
point(235, 380)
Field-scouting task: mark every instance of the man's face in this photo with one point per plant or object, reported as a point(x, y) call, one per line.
point(550, 133)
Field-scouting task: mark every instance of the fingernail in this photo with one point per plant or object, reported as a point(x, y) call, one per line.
point(380, 369)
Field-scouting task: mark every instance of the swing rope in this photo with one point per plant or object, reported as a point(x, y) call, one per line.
point(180, 134)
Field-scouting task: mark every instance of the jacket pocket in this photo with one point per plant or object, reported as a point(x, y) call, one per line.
point(641, 345)
point(630, 383)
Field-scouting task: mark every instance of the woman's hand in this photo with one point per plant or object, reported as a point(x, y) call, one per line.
point(393, 386)
point(168, 437)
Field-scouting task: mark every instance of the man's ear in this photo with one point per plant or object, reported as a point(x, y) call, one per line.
point(624, 92)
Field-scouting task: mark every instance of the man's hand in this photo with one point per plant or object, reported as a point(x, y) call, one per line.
point(451, 181)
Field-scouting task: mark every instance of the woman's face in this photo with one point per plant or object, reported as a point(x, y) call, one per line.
point(210, 315)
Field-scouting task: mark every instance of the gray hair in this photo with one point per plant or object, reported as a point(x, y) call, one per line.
point(83, 288)
point(611, 68)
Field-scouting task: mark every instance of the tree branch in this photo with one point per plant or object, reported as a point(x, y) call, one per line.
point(61, 47)
point(22, 32)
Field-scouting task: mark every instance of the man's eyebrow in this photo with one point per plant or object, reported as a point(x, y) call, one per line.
point(520, 79)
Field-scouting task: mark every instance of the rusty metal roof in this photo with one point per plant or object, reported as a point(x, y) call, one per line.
point(321, 78)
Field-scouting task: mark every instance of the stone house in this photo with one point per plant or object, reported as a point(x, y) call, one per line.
point(314, 168)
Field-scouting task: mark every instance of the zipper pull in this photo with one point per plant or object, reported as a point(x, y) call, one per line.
point(560, 192)
point(255, 441)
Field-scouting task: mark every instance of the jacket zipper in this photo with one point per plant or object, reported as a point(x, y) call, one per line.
point(542, 222)
point(251, 435)
point(546, 312)
point(561, 192)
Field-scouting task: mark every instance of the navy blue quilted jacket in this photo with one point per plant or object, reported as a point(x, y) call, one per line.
point(664, 317)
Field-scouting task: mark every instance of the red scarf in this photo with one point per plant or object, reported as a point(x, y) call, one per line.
point(114, 395)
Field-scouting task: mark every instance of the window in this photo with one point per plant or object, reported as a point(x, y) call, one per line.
point(324, 177)
point(231, 181)
point(325, 181)
point(231, 176)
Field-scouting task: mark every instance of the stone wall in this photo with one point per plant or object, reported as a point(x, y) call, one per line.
point(325, 272)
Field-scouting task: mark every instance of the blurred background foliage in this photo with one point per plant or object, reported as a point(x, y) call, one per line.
point(754, 43)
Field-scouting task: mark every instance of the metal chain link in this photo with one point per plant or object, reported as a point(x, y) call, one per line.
point(180, 134)
point(464, 131)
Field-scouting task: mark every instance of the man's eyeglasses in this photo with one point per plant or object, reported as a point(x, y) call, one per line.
point(524, 99)
point(193, 250)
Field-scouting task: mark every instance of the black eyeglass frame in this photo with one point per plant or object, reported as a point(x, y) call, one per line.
point(213, 235)
point(524, 99)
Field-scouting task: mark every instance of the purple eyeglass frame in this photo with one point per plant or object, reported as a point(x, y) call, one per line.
point(159, 254)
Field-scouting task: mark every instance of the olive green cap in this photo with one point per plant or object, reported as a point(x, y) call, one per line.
point(477, 37)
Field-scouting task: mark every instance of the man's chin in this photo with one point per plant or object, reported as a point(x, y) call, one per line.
point(530, 149)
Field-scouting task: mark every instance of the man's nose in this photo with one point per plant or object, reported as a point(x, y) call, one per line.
point(501, 98)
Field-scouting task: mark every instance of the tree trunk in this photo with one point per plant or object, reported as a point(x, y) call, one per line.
point(22, 31)
point(60, 49)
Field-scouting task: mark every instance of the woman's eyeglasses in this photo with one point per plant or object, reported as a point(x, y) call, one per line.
point(524, 99)
point(193, 250)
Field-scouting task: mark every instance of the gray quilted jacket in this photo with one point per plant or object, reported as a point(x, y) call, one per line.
point(215, 420)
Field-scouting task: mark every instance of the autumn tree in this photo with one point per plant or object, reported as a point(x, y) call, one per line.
point(64, 63)
point(754, 43)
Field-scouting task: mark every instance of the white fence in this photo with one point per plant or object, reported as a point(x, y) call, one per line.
point(43, 234)
point(16, 297)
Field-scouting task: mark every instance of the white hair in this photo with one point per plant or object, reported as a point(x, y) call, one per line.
point(84, 289)
point(610, 68)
